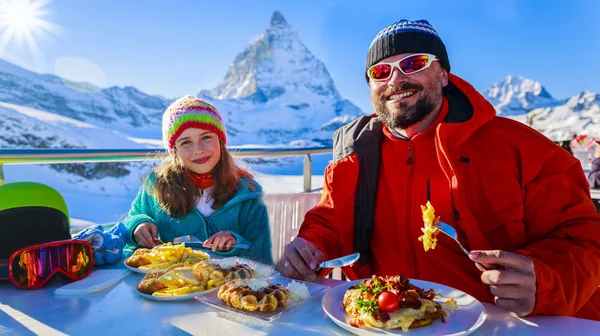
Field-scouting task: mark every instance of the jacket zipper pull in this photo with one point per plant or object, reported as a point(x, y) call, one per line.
point(428, 190)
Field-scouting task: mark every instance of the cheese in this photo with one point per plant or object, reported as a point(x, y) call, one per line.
point(401, 318)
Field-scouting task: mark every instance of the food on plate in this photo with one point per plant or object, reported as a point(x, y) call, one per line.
point(138, 259)
point(391, 302)
point(213, 273)
point(179, 279)
point(261, 294)
point(430, 230)
point(172, 281)
point(150, 282)
point(164, 256)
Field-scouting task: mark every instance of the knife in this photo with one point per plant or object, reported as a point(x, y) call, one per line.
point(192, 241)
point(340, 262)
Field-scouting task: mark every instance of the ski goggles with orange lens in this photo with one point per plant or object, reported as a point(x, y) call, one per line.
point(33, 266)
point(408, 65)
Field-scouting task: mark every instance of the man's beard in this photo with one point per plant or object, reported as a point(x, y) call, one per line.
point(407, 115)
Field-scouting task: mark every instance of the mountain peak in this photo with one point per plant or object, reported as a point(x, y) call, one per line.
point(517, 95)
point(277, 84)
point(523, 84)
point(278, 20)
point(272, 64)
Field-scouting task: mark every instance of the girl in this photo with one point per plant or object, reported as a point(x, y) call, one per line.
point(199, 190)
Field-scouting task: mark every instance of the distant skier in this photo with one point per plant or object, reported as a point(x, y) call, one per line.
point(594, 174)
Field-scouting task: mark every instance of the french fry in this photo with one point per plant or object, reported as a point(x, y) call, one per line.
point(189, 279)
point(155, 266)
point(161, 292)
point(167, 255)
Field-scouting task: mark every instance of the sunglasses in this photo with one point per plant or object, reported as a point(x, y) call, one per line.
point(408, 65)
point(31, 267)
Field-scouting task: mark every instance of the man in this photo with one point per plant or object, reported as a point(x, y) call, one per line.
point(520, 203)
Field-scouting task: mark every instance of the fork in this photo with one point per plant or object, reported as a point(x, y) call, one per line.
point(451, 232)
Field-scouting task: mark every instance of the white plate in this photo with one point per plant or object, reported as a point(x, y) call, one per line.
point(135, 269)
point(462, 321)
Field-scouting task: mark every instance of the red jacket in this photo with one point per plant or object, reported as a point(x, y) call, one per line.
point(511, 189)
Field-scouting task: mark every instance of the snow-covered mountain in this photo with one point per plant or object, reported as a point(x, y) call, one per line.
point(518, 95)
point(95, 191)
point(123, 109)
point(277, 91)
point(528, 101)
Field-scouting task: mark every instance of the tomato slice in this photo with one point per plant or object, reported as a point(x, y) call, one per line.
point(388, 301)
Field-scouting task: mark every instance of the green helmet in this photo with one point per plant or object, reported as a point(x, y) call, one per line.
point(30, 213)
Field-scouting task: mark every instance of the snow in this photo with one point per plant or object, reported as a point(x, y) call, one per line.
point(527, 101)
point(109, 200)
point(517, 94)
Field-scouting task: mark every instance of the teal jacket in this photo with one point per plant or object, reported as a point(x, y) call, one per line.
point(244, 216)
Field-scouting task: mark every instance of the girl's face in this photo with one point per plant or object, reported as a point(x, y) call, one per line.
point(199, 150)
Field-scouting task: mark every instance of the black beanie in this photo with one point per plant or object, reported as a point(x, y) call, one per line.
point(407, 36)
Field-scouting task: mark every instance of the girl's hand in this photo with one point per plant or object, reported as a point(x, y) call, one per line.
point(146, 234)
point(221, 241)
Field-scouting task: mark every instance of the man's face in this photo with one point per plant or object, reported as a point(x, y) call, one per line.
point(403, 100)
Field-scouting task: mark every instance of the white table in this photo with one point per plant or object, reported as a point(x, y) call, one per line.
point(120, 311)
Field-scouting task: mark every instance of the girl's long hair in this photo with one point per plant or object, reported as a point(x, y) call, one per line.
point(177, 194)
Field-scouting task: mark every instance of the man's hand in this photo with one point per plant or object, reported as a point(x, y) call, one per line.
point(146, 234)
point(221, 241)
point(511, 278)
point(300, 260)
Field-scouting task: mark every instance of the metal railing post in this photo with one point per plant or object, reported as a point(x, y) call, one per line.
point(307, 170)
point(1, 174)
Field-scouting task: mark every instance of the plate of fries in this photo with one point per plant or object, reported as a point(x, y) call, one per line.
point(164, 256)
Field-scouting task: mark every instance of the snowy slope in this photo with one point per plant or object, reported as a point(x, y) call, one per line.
point(124, 109)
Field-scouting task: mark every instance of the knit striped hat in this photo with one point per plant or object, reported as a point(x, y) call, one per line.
point(190, 112)
point(407, 36)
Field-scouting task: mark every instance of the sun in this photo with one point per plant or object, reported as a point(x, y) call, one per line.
point(23, 21)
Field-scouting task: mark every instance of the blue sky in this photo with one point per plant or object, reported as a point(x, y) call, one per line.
point(178, 47)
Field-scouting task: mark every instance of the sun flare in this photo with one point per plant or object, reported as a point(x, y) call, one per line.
point(23, 21)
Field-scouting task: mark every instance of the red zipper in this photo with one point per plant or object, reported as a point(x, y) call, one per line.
point(409, 162)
